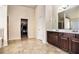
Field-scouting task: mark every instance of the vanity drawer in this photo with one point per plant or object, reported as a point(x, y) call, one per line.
point(77, 36)
point(66, 35)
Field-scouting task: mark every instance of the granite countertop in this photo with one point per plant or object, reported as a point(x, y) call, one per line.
point(63, 30)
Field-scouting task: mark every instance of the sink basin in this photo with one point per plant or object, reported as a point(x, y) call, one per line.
point(75, 31)
point(54, 30)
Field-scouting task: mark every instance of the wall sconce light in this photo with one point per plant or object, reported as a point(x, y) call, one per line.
point(65, 7)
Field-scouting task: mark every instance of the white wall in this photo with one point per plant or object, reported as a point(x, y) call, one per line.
point(15, 14)
point(49, 16)
point(40, 23)
point(1, 17)
point(55, 17)
point(3, 23)
point(42, 13)
point(46, 18)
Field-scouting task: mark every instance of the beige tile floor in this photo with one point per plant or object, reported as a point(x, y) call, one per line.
point(30, 46)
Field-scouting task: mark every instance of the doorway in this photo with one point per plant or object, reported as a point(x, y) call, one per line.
point(24, 28)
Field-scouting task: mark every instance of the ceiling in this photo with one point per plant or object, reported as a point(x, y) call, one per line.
point(71, 13)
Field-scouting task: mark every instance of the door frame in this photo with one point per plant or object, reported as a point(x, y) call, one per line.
point(27, 26)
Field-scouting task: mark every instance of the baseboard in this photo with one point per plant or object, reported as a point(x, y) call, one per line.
point(15, 39)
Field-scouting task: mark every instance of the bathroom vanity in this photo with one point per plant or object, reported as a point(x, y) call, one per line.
point(65, 40)
point(66, 35)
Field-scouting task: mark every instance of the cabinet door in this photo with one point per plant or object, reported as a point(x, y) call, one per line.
point(75, 46)
point(52, 38)
point(49, 37)
point(55, 39)
point(64, 44)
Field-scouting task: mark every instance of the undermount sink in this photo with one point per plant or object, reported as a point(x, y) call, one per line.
point(55, 30)
point(63, 30)
point(74, 30)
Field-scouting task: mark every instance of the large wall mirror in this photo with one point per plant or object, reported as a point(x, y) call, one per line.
point(69, 19)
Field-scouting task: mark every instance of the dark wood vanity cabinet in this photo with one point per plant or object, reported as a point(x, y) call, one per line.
point(75, 44)
point(75, 47)
point(66, 41)
point(64, 44)
point(52, 38)
point(58, 39)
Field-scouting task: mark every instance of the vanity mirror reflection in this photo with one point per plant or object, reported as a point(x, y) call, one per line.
point(69, 19)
